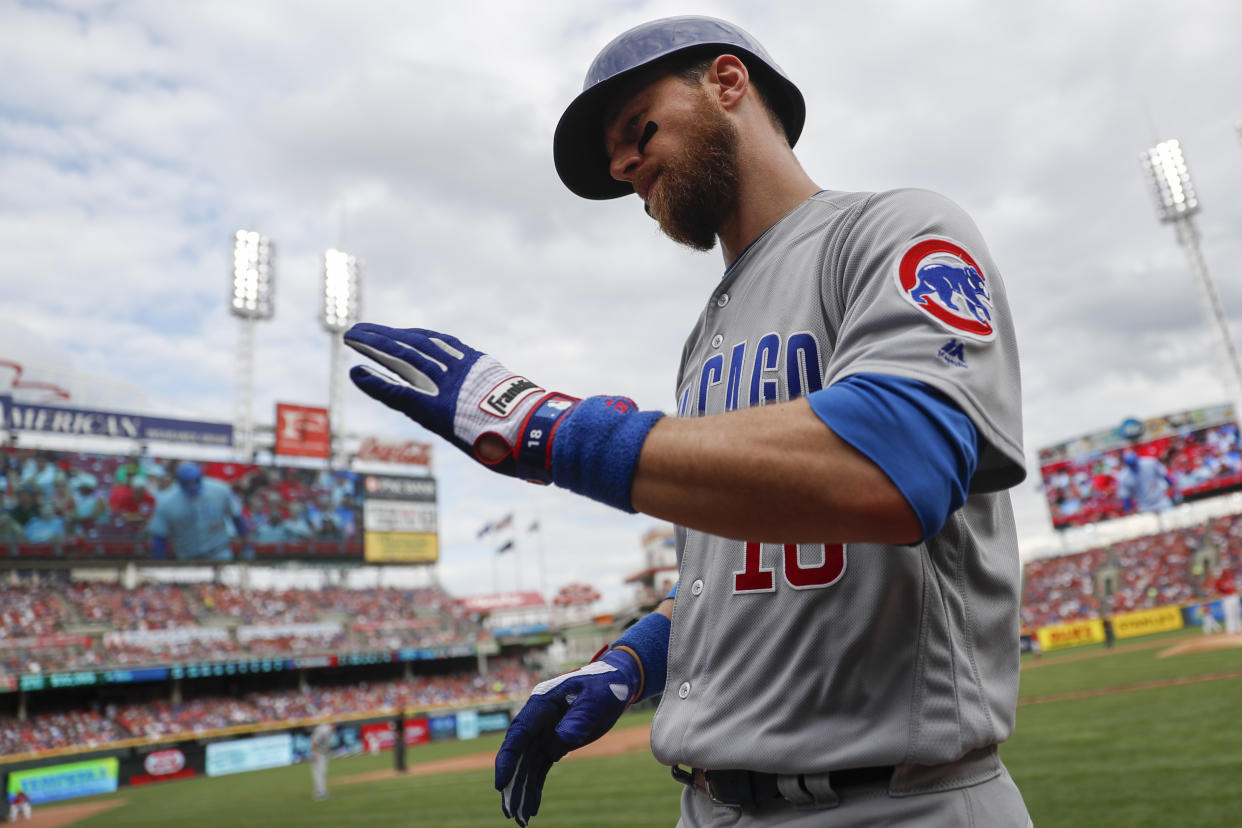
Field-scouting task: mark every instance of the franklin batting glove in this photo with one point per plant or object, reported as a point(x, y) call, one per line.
point(588, 446)
point(562, 714)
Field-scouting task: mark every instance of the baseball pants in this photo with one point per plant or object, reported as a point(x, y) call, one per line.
point(319, 774)
point(996, 803)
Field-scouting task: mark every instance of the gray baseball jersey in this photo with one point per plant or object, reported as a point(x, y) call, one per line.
point(801, 659)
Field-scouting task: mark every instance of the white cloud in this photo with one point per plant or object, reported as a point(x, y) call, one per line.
point(135, 138)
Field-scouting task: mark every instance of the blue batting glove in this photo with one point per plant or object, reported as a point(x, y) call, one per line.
point(460, 394)
point(562, 714)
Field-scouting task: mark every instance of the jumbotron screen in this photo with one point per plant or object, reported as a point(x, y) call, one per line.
point(76, 506)
point(1142, 466)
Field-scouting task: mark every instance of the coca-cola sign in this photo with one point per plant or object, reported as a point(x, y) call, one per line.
point(409, 452)
point(164, 762)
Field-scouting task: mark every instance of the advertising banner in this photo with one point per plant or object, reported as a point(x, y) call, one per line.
point(442, 727)
point(1146, 622)
point(379, 736)
point(54, 419)
point(399, 520)
point(407, 452)
point(417, 731)
point(243, 755)
point(1073, 634)
point(1195, 614)
point(302, 431)
point(50, 784)
point(468, 724)
point(163, 764)
point(489, 722)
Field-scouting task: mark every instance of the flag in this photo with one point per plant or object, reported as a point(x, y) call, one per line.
point(487, 527)
point(504, 522)
point(505, 547)
point(534, 527)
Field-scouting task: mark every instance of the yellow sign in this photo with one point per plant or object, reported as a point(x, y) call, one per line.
point(1146, 622)
point(401, 547)
point(1073, 634)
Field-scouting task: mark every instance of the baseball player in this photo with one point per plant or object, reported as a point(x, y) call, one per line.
point(1144, 484)
point(321, 747)
point(196, 515)
point(19, 805)
point(842, 647)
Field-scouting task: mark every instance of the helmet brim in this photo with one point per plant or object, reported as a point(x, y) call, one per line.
point(578, 144)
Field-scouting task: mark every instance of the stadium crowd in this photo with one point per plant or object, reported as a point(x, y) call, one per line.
point(83, 624)
point(506, 678)
point(1155, 570)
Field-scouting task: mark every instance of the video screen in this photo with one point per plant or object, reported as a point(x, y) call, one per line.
point(60, 505)
point(1142, 467)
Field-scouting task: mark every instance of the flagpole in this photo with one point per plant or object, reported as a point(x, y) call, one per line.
point(543, 572)
point(517, 561)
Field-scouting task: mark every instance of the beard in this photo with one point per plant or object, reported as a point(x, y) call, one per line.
point(698, 188)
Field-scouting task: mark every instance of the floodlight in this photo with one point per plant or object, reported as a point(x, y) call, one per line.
point(340, 290)
point(1170, 181)
point(253, 275)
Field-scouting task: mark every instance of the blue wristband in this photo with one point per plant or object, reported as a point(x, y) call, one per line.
point(649, 638)
point(596, 448)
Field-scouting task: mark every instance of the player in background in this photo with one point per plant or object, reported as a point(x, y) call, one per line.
point(19, 805)
point(321, 748)
point(842, 647)
point(199, 515)
point(1144, 484)
point(1230, 601)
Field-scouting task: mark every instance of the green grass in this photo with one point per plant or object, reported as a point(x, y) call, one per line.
point(1153, 757)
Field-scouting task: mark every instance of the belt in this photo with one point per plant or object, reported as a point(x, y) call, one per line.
point(748, 790)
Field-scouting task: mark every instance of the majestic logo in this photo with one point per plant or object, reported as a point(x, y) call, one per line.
point(942, 279)
point(954, 353)
point(502, 399)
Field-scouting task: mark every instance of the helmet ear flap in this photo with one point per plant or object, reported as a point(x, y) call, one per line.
point(578, 145)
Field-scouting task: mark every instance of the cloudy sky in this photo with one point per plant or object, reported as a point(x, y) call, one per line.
point(135, 137)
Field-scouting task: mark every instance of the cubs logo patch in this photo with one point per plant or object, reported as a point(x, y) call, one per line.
point(942, 279)
point(502, 399)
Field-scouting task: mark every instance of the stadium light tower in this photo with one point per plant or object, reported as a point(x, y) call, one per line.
point(341, 296)
point(252, 293)
point(1176, 204)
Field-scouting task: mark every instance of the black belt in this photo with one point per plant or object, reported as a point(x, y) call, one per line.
point(752, 789)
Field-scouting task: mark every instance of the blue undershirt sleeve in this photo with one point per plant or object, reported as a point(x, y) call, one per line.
point(926, 445)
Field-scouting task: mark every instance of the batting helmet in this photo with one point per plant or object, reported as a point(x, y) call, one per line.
point(578, 146)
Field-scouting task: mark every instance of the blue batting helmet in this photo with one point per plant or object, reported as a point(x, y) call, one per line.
point(578, 146)
point(190, 476)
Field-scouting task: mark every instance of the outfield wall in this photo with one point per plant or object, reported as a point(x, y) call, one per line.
point(69, 774)
point(1125, 625)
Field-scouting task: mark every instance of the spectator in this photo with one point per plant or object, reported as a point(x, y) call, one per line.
point(27, 507)
point(89, 505)
point(48, 527)
point(10, 530)
point(296, 526)
point(130, 500)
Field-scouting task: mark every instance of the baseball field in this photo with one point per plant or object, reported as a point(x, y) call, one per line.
point(1143, 734)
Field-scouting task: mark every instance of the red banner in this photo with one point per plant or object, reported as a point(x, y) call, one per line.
point(302, 431)
point(379, 736)
point(408, 452)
